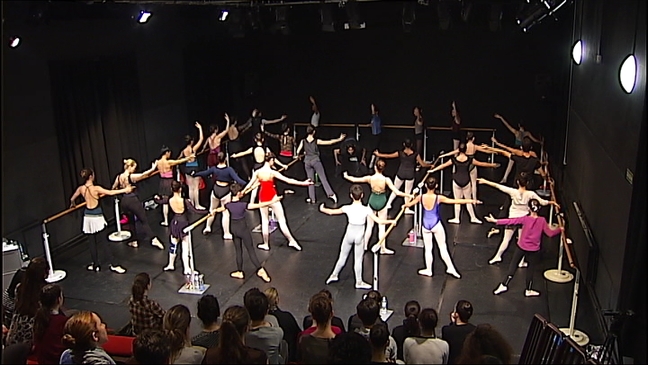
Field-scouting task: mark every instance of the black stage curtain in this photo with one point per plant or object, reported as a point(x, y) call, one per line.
point(98, 117)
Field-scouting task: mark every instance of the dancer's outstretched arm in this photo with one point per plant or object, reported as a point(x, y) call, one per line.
point(287, 180)
point(444, 199)
point(485, 164)
point(276, 199)
point(422, 162)
point(357, 180)
point(393, 188)
point(441, 167)
point(328, 142)
point(506, 124)
point(242, 153)
point(273, 121)
point(137, 177)
point(330, 211)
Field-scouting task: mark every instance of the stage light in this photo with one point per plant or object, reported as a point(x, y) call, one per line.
point(144, 16)
point(577, 52)
point(223, 15)
point(628, 73)
point(14, 42)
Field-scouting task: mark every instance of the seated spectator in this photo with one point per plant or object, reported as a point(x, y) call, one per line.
point(262, 334)
point(354, 322)
point(84, 333)
point(336, 322)
point(379, 340)
point(426, 348)
point(231, 348)
point(410, 326)
point(287, 322)
point(455, 333)
point(368, 311)
point(349, 348)
point(484, 343)
point(9, 297)
point(314, 347)
point(151, 347)
point(176, 323)
point(27, 295)
point(208, 312)
point(146, 314)
point(49, 324)
point(269, 317)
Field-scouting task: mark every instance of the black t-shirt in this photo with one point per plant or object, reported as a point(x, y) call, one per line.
point(455, 335)
point(525, 164)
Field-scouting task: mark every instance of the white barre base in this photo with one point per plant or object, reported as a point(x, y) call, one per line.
point(119, 236)
point(385, 316)
point(579, 337)
point(558, 276)
point(543, 193)
point(271, 229)
point(189, 289)
point(418, 243)
point(56, 276)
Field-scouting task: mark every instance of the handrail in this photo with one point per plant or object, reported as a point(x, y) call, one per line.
point(396, 126)
point(561, 222)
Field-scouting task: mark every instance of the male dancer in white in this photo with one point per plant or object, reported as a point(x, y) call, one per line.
point(357, 214)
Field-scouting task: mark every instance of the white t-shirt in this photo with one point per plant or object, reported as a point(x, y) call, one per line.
point(315, 119)
point(357, 213)
point(419, 350)
point(520, 200)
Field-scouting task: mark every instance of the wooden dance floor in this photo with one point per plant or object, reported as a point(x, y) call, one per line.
point(299, 274)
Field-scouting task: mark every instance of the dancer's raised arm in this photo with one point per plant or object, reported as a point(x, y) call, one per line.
point(385, 155)
point(287, 180)
point(328, 142)
point(353, 179)
point(441, 167)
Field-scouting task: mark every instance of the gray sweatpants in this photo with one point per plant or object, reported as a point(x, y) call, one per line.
point(313, 166)
point(354, 237)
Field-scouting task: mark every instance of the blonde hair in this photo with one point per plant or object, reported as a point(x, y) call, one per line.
point(176, 322)
point(273, 296)
point(79, 332)
point(129, 162)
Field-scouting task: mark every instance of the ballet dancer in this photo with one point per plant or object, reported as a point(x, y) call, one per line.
point(419, 128)
point(523, 157)
point(455, 127)
point(461, 185)
point(406, 170)
point(286, 149)
point(223, 177)
point(432, 225)
point(265, 177)
point(241, 232)
point(214, 141)
point(94, 221)
point(520, 133)
point(357, 215)
point(313, 164)
point(528, 244)
point(258, 151)
point(520, 199)
point(376, 131)
point(353, 158)
point(191, 166)
point(377, 201)
point(165, 167)
point(316, 113)
point(130, 203)
point(257, 124)
point(179, 222)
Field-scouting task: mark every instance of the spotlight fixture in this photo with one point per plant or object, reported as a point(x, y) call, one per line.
point(577, 52)
point(14, 42)
point(223, 15)
point(144, 16)
point(628, 73)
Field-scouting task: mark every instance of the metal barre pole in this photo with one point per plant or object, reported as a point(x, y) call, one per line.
point(578, 336)
point(54, 275)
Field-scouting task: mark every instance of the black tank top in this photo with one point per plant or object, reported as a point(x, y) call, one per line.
point(407, 166)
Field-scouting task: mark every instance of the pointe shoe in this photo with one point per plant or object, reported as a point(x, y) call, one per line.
point(227, 236)
point(117, 269)
point(531, 293)
point(454, 221)
point(93, 267)
point(164, 224)
point(500, 289)
point(206, 231)
point(237, 274)
point(492, 232)
point(169, 268)
point(386, 251)
point(425, 272)
point(133, 244)
point(264, 246)
point(156, 242)
point(263, 275)
point(494, 260)
point(295, 245)
point(363, 285)
point(475, 221)
point(331, 279)
point(523, 264)
point(453, 273)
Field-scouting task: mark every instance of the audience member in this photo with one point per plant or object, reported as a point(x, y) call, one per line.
point(354, 322)
point(208, 313)
point(349, 348)
point(27, 296)
point(262, 334)
point(368, 311)
point(336, 322)
point(410, 326)
point(426, 348)
point(9, 296)
point(84, 333)
point(379, 340)
point(455, 333)
point(314, 347)
point(49, 325)
point(269, 317)
point(146, 314)
point(287, 322)
point(482, 344)
point(151, 347)
point(176, 323)
point(231, 348)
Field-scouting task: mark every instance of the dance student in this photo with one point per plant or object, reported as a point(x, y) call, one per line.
point(520, 133)
point(376, 131)
point(357, 214)
point(419, 128)
point(286, 148)
point(179, 222)
point(265, 177)
point(432, 225)
point(352, 159)
point(520, 199)
point(223, 176)
point(528, 245)
point(455, 127)
point(377, 201)
point(471, 149)
point(257, 124)
point(235, 145)
point(214, 141)
point(406, 170)
point(130, 203)
point(241, 232)
point(316, 113)
point(523, 157)
point(191, 166)
point(258, 151)
point(165, 167)
point(313, 164)
point(93, 219)
point(461, 185)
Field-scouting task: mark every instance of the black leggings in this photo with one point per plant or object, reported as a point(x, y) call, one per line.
point(242, 237)
point(93, 239)
point(532, 258)
point(132, 206)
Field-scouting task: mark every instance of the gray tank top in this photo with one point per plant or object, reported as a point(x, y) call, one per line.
point(311, 150)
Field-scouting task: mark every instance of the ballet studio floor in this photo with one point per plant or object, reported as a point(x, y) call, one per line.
point(298, 275)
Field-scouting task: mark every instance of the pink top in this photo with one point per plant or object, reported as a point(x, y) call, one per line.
point(532, 229)
point(166, 175)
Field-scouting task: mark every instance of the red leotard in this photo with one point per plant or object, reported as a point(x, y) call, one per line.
point(267, 190)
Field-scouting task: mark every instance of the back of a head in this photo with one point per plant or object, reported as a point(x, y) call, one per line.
point(411, 323)
point(151, 347)
point(462, 147)
point(273, 296)
point(522, 179)
point(470, 136)
point(375, 295)
point(431, 183)
point(464, 310)
point(213, 128)
point(412, 307)
point(485, 340)
point(356, 191)
point(79, 332)
point(140, 284)
point(235, 323)
point(428, 318)
point(368, 311)
point(380, 165)
point(29, 290)
point(379, 336)
point(349, 348)
point(321, 309)
point(188, 140)
point(257, 305)
point(222, 157)
point(534, 205)
point(527, 144)
point(49, 297)
point(86, 173)
point(269, 156)
point(208, 309)
point(407, 143)
point(235, 188)
point(310, 130)
point(176, 322)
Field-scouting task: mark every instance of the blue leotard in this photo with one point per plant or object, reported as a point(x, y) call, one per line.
point(431, 217)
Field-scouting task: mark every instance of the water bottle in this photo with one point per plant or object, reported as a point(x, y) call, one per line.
point(188, 280)
point(412, 236)
point(383, 306)
point(201, 282)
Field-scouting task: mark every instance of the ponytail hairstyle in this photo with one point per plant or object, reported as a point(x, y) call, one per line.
point(86, 173)
point(431, 183)
point(79, 334)
point(380, 165)
point(411, 323)
point(49, 298)
point(235, 323)
point(128, 163)
point(140, 285)
point(28, 293)
point(176, 323)
point(221, 156)
point(269, 156)
point(176, 186)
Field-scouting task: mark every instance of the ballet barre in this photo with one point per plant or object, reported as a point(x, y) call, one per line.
point(195, 224)
point(194, 283)
point(289, 164)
